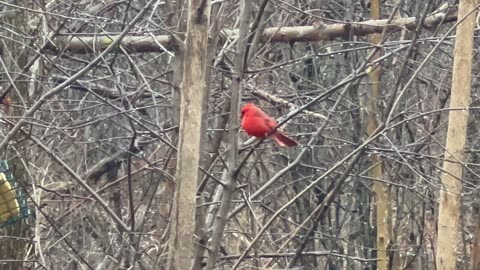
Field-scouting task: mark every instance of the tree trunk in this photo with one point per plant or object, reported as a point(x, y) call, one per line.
point(449, 199)
point(475, 253)
point(231, 176)
point(193, 90)
point(380, 189)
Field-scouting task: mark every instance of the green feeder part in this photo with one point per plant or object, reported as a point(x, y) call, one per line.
point(13, 203)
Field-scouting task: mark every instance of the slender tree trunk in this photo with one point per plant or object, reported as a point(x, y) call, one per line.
point(181, 249)
point(231, 178)
point(201, 226)
point(381, 190)
point(475, 253)
point(449, 199)
point(176, 79)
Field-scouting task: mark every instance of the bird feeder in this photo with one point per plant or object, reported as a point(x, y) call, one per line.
point(13, 204)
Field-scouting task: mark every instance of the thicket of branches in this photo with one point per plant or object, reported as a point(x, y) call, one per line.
point(108, 120)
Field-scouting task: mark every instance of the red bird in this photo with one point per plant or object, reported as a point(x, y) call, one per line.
point(257, 123)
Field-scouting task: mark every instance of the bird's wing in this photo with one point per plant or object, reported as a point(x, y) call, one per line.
point(271, 124)
point(260, 113)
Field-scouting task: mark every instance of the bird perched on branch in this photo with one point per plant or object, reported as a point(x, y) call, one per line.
point(258, 124)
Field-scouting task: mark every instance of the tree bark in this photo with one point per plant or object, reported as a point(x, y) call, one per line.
point(181, 250)
point(201, 226)
point(475, 253)
point(380, 189)
point(449, 199)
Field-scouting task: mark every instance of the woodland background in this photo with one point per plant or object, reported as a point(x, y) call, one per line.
point(121, 120)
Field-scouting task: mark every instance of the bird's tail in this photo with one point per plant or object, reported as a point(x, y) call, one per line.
point(283, 140)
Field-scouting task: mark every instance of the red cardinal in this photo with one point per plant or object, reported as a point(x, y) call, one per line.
point(258, 124)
